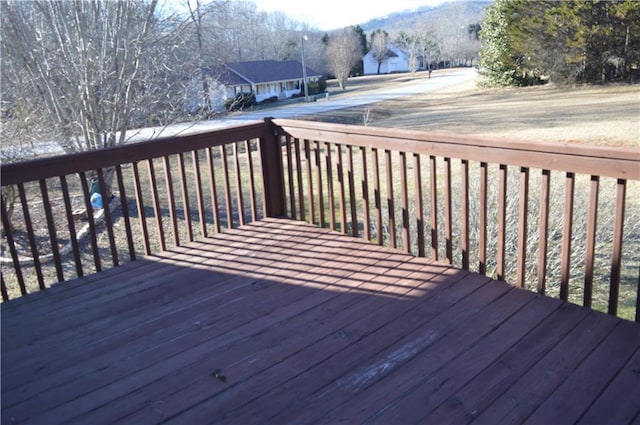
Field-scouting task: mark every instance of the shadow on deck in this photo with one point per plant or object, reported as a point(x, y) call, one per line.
point(283, 322)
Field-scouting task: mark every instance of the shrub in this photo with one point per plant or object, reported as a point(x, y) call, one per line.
point(317, 87)
point(271, 99)
point(240, 101)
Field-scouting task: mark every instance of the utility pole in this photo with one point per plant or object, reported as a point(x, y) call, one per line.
point(304, 71)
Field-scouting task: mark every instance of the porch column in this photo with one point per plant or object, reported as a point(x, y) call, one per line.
point(272, 172)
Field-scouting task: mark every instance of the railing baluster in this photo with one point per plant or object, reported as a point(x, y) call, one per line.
point(92, 223)
point(365, 194)
point(307, 156)
point(433, 183)
point(616, 255)
point(521, 267)
point(227, 186)
point(53, 237)
point(290, 178)
point(502, 221)
point(199, 194)
point(638, 297)
point(8, 231)
point(376, 195)
point(171, 199)
point(592, 220)
point(464, 242)
point(565, 262)
point(185, 197)
point(448, 221)
point(214, 191)
point(236, 160)
point(390, 202)
point(404, 195)
point(352, 192)
point(544, 231)
point(419, 214)
point(482, 220)
point(319, 183)
point(156, 204)
point(343, 207)
point(296, 144)
point(332, 201)
point(107, 217)
point(141, 210)
point(252, 185)
point(72, 226)
point(31, 234)
point(124, 205)
point(3, 288)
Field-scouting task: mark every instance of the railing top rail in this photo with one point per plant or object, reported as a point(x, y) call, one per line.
point(42, 168)
point(623, 163)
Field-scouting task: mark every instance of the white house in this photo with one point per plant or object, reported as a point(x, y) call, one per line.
point(268, 78)
point(395, 60)
point(265, 79)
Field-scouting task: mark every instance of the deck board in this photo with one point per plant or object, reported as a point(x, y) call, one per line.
point(308, 326)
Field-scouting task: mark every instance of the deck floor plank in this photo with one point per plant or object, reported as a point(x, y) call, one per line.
point(251, 356)
point(578, 392)
point(484, 388)
point(524, 396)
point(225, 316)
point(626, 385)
point(330, 356)
point(308, 326)
point(459, 327)
point(433, 389)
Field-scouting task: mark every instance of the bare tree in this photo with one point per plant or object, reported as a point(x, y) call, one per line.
point(343, 53)
point(89, 63)
point(429, 47)
point(409, 43)
point(196, 14)
point(379, 46)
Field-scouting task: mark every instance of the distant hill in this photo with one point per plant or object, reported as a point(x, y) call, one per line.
point(409, 18)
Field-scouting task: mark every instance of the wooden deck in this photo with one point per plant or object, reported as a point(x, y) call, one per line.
point(282, 322)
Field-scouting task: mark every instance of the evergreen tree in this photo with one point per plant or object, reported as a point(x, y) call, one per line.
point(526, 42)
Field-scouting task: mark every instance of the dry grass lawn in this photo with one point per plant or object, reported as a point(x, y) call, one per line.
point(603, 115)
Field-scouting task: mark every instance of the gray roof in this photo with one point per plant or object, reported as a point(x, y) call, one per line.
point(225, 76)
point(268, 71)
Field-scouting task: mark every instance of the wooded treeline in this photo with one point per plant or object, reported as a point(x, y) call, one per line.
point(533, 41)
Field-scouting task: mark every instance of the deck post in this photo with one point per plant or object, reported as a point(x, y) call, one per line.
point(272, 172)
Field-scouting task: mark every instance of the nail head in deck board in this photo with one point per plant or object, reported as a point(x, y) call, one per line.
point(292, 315)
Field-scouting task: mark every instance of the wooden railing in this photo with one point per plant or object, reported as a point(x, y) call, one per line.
point(559, 219)
point(163, 192)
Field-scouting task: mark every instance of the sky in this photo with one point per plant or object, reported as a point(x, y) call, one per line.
point(331, 14)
